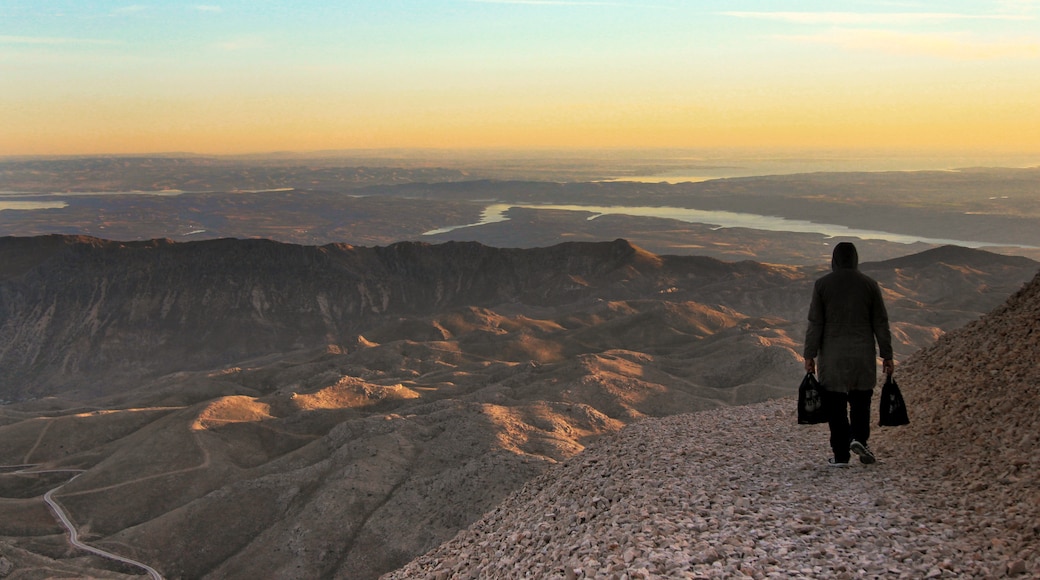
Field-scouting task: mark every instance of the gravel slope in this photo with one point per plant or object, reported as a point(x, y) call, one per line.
point(746, 491)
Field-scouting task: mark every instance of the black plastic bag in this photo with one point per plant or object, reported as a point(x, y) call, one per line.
point(893, 408)
point(810, 401)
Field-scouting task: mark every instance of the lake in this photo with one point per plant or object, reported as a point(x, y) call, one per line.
point(31, 205)
point(720, 219)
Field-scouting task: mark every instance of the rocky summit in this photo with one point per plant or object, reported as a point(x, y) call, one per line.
point(745, 492)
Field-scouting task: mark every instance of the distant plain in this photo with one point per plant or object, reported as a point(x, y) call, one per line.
point(789, 209)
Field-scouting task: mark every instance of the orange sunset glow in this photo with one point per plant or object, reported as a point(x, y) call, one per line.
point(103, 77)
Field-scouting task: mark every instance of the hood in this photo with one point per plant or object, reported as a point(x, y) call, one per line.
point(845, 257)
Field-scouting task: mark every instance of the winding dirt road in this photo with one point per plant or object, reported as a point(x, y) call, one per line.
point(73, 535)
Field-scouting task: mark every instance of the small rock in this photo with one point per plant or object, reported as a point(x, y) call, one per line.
point(1016, 568)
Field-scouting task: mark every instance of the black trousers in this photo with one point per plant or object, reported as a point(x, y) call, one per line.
point(848, 415)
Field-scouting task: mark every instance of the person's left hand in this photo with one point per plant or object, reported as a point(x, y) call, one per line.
point(810, 365)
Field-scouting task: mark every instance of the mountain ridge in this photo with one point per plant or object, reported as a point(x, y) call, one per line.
point(239, 299)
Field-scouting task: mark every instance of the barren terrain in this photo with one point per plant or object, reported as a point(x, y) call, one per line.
point(295, 411)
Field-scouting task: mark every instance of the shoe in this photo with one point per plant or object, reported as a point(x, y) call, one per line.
point(835, 463)
point(865, 456)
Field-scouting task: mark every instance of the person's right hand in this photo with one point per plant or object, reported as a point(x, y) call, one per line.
point(810, 365)
point(889, 366)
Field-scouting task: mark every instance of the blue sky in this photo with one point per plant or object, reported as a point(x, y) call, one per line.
point(236, 76)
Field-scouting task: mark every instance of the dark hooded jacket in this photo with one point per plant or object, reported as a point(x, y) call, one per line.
point(846, 316)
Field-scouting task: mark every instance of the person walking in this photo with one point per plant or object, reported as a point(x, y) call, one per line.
point(846, 316)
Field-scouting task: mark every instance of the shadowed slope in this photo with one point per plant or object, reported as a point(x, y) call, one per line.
point(974, 402)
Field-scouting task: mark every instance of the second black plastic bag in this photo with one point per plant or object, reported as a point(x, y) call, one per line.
point(893, 407)
point(810, 401)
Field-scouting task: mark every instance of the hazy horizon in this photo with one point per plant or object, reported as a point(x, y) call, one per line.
point(234, 77)
point(673, 165)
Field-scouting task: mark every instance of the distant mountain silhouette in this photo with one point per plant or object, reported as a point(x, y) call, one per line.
point(954, 255)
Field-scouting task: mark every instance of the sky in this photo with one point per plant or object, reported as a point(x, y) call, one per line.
point(248, 76)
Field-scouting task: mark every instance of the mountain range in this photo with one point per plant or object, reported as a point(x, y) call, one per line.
point(247, 408)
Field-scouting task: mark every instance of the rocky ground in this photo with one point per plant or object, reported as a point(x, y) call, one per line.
point(745, 491)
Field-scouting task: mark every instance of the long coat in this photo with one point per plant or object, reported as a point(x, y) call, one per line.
point(846, 316)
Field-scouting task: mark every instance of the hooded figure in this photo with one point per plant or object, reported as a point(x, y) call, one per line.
point(847, 317)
